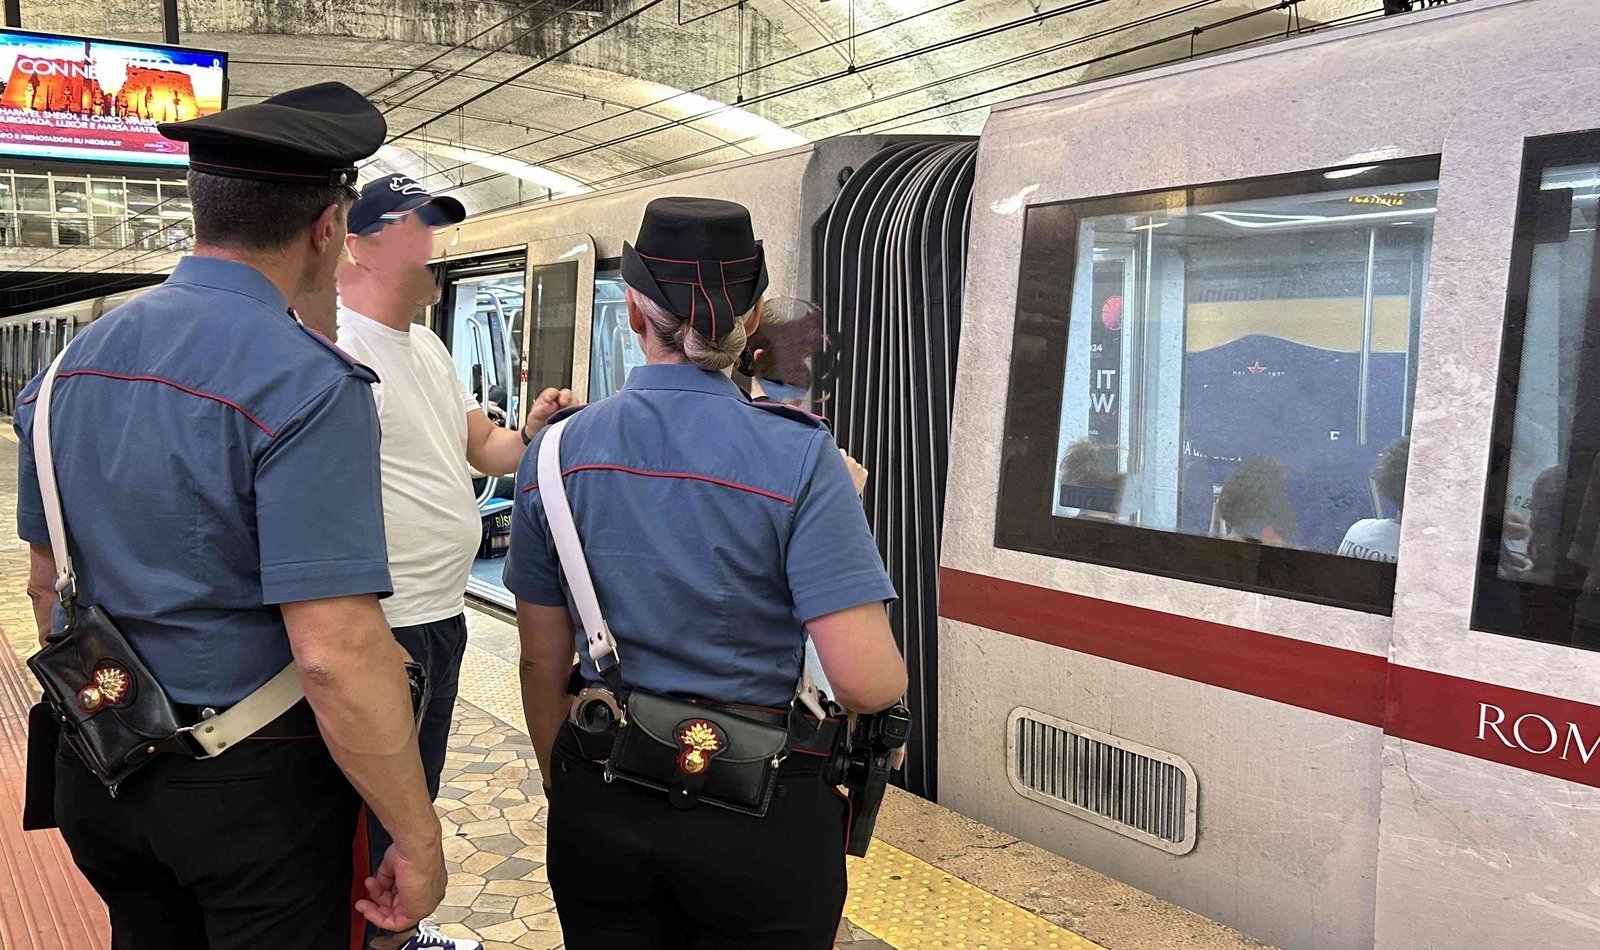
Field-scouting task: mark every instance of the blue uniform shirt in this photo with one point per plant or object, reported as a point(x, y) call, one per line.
point(215, 459)
point(714, 530)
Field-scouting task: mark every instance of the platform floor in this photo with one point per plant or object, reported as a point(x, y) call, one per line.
point(933, 879)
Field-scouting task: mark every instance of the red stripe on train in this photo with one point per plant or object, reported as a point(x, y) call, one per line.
point(1341, 683)
point(1531, 731)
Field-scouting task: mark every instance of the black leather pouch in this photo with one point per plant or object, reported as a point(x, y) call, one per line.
point(39, 789)
point(697, 753)
point(111, 711)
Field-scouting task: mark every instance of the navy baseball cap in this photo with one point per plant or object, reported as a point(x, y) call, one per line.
point(392, 197)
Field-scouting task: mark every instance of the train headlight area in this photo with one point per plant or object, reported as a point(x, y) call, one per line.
point(1232, 450)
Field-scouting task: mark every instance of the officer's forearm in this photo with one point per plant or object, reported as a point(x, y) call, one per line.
point(354, 678)
point(545, 664)
point(41, 586)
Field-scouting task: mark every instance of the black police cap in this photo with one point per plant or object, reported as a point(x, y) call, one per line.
point(311, 136)
point(698, 258)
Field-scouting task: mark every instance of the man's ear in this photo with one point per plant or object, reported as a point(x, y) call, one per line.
point(325, 227)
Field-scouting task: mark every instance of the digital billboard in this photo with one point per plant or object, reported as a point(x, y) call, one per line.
point(67, 97)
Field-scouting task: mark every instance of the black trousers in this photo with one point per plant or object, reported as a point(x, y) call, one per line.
point(247, 851)
point(627, 869)
point(439, 646)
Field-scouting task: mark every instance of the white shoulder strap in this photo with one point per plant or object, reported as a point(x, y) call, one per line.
point(573, 563)
point(219, 733)
point(575, 566)
point(48, 493)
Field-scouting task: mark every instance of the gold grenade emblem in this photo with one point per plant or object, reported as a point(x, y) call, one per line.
point(700, 741)
point(110, 688)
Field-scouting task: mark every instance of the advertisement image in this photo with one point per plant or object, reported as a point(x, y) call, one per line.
point(73, 98)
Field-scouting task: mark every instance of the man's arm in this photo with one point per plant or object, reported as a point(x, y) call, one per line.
point(495, 450)
point(545, 665)
point(41, 586)
point(353, 673)
point(324, 563)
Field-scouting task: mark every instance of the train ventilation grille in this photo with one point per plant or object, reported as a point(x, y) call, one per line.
point(1131, 789)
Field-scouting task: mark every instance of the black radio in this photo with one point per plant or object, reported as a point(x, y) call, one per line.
point(863, 765)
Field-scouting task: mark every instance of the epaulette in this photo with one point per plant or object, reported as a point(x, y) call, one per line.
point(359, 371)
point(793, 413)
point(565, 414)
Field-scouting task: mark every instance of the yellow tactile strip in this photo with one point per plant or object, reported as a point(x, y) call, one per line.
point(490, 683)
point(910, 904)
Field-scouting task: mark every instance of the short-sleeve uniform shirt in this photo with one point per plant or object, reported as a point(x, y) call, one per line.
point(714, 530)
point(215, 459)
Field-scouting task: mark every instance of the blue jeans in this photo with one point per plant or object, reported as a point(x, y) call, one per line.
point(439, 647)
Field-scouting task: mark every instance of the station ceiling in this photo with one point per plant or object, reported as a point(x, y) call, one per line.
point(511, 101)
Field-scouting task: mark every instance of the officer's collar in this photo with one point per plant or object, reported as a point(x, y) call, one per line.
point(682, 377)
point(229, 275)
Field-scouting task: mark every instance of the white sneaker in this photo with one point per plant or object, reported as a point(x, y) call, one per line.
point(428, 937)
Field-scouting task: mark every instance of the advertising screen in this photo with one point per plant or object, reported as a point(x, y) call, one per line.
point(72, 98)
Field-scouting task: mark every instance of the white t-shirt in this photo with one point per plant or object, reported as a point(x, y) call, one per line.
point(1374, 539)
point(429, 511)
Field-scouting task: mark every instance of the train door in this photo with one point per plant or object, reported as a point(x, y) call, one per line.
point(510, 321)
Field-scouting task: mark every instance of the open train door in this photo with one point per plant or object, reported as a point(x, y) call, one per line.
point(890, 256)
point(515, 320)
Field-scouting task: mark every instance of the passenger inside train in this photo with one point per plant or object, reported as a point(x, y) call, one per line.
point(1378, 539)
point(1090, 482)
point(1253, 503)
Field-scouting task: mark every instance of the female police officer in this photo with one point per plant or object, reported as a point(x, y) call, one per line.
point(718, 533)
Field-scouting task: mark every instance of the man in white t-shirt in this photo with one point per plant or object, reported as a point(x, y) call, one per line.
point(1378, 539)
point(434, 435)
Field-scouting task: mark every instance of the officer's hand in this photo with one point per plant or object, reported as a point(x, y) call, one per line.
point(858, 473)
point(550, 402)
point(405, 888)
point(898, 759)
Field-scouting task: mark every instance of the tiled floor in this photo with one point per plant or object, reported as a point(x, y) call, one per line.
point(491, 804)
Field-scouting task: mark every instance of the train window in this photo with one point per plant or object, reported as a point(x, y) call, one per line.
point(554, 302)
point(613, 349)
point(1215, 382)
point(1538, 573)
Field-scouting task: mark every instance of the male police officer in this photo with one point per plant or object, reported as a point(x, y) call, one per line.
point(432, 430)
point(196, 431)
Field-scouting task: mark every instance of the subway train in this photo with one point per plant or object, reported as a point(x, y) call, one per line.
point(1228, 450)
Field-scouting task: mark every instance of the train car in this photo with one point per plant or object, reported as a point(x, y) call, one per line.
point(1266, 584)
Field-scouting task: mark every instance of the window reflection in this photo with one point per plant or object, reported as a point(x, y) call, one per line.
point(1241, 365)
point(1540, 575)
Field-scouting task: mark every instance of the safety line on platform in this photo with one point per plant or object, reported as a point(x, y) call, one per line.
point(913, 905)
